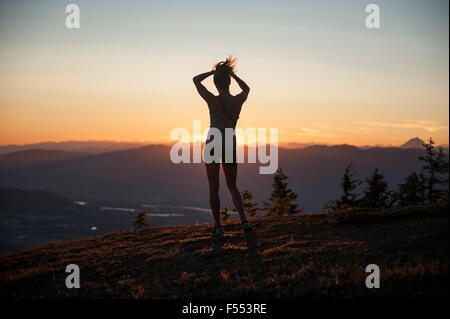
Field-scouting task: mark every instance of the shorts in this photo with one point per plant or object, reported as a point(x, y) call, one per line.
point(231, 148)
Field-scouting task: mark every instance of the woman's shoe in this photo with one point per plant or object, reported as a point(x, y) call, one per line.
point(247, 226)
point(218, 231)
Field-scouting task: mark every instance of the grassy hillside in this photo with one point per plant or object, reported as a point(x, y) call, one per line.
point(290, 257)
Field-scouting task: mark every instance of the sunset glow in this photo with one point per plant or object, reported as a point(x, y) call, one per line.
point(318, 75)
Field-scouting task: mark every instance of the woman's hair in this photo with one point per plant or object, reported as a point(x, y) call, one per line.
point(223, 71)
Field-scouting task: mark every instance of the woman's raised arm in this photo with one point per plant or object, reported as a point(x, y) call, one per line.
point(202, 90)
point(242, 97)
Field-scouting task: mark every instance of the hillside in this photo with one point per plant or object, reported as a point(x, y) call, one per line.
point(315, 256)
point(18, 200)
point(27, 158)
point(34, 218)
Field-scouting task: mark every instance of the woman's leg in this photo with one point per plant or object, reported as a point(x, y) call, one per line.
point(212, 171)
point(230, 171)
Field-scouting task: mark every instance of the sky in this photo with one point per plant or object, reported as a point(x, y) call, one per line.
point(315, 71)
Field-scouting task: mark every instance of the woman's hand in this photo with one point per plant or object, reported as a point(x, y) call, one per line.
point(202, 76)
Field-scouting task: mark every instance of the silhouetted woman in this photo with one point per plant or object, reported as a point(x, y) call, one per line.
point(224, 112)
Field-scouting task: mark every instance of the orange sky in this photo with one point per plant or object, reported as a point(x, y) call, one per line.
point(333, 82)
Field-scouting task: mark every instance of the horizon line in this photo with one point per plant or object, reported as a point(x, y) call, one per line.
point(168, 142)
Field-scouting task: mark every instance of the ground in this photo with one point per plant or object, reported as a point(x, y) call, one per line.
point(311, 256)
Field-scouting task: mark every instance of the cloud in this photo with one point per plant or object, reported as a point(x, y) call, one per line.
point(344, 128)
point(311, 132)
point(429, 126)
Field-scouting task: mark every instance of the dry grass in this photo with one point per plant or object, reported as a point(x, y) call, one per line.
point(319, 256)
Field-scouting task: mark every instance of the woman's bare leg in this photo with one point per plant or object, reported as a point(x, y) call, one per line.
point(212, 171)
point(230, 171)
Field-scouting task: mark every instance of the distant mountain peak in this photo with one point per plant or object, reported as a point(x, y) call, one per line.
point(415, 142)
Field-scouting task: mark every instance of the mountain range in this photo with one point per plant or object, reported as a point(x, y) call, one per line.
point(145, 175)
point(97, 147)
point(94, 147)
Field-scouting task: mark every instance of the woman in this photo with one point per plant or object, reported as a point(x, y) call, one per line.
point(224, 111)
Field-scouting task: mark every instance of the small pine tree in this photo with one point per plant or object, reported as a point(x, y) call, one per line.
point(280, 206)
point(250, 207)
point(422, 188)
point(435, 169)
point(140, 221)
point(349, 185)
point(225, 214)
point(330, 206)
point(443, 197)
point(409, 193)
point(376, 194)
point(442, 170)
point(281, 196)
point(349, 198)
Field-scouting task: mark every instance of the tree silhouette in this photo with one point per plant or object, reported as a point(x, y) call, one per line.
point(376, 195)
point(280, 206)
point(225, 214)
point(422, 187)
point(412, 191)
point(349, 198)
point(282, 197)
point(250, 207)
point(140, 221)
point(435, 167)
point(349, 185)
